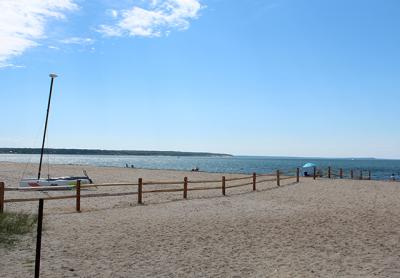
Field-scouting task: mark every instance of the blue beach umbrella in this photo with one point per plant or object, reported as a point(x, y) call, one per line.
point(309, 165)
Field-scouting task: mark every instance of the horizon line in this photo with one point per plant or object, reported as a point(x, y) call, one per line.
point(213, 153)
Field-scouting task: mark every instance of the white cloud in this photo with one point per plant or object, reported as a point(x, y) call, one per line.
point(160, 17)
point(23, 22)
point(112, 13)
point(78, 40)
point(53, 47)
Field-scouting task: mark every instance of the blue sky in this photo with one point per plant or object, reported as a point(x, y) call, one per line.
point(279, 77)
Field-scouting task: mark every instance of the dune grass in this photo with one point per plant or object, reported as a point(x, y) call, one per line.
point(13, 225)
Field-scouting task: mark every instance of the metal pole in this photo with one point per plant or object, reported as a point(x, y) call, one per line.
point(39, 238)
point(52, 76)
point(1, 197)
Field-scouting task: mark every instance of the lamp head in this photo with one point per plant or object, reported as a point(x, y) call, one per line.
point(53, 75)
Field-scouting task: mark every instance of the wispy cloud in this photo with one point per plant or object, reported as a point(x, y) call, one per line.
point(158, 18)
point(78, 41)
point(23, 22)
point(53, 47)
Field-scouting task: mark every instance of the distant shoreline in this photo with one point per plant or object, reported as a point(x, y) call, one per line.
point(108, 152)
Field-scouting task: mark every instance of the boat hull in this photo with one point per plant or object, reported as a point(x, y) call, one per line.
point(61, 181)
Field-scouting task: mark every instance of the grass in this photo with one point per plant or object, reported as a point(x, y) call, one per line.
point(13, 225)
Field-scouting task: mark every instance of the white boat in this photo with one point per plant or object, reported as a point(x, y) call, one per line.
point(62, 182)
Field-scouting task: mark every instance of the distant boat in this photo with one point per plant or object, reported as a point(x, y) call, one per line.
point(57, 181)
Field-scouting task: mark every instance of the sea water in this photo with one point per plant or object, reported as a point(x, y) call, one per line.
point(380, 169)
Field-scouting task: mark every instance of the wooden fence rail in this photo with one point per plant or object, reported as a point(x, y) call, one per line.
point(205, 181)
point(107, 184)
point(241, 178)
point(252, 180)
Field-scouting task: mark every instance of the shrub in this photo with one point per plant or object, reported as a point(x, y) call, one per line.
point(13, 225)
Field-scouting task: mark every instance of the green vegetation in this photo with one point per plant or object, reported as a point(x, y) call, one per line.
point(12, 225)
point(107, 152)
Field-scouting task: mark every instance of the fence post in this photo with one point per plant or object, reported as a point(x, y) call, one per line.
point(278, 180)
point(361, 174)
point(140, 190)
point(39, 238)
point(329, 172)
point(369, 175)
point(223, 185)
point(185, 184)
point(315, 173)
point(297, 175)
point(1, 197)
point(254, 181)
point(351, 174)
point(78, 196)
point(341, 173)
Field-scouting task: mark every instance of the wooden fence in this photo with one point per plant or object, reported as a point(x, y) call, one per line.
point(223, 184)
point(359, 174)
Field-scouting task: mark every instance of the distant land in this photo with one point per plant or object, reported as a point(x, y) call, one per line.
point(107, 152)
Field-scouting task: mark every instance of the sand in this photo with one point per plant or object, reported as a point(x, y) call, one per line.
point(322, 228)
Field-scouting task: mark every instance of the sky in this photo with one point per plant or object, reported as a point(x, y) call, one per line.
point(245, 77)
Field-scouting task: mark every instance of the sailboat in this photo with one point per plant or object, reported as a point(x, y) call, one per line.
point(56, 181)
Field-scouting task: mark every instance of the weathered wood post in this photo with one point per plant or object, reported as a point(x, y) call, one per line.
point(78, 195)
point(369, 174)
point(254, 181)
point(185, 187)
point(140, 190)
point(223, 185)
point(1, 197)
point(351, 174)
point(278, 178)
point(315, 173)
point(39, 238)
point(297, 175)
point(341, 173)
point(329, 172)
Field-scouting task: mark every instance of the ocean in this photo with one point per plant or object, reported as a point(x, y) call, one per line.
point(380, 168)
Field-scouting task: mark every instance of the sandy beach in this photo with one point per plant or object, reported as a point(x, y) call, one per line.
point(322, 228)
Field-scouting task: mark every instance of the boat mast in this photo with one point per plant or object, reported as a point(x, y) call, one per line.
point(52, 76)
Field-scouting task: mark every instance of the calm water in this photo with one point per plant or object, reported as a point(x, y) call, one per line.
point(381, 169)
